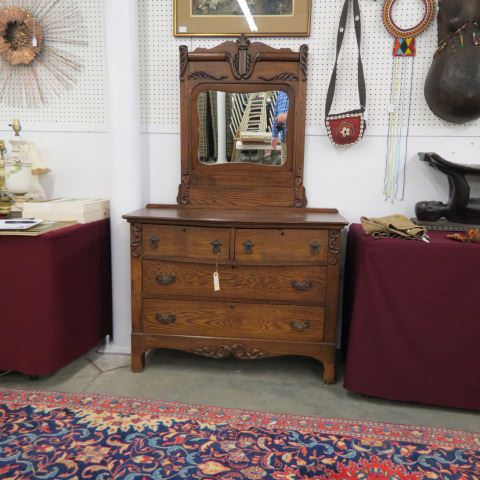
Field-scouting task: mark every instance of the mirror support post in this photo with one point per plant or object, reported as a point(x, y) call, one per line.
point(221, 122)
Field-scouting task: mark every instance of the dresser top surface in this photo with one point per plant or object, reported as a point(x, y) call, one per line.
point(174, 214)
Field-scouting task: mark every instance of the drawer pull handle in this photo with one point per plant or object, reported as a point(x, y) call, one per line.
point(166, 319)
point(216, 247)
point(315, 246)
point(302, 286)
point(300, 325)
point(166, 279)
point(154, 242)
point(249, 247)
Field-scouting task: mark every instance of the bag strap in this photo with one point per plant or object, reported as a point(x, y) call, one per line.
point(361, 76)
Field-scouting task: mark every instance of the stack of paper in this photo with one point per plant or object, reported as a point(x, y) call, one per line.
point(19, 223)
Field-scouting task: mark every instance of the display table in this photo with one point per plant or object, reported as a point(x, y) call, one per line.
point(412, 313)
point(55, 297)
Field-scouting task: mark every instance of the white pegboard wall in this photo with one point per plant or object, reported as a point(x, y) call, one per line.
point(82, 107)
point(160, 64)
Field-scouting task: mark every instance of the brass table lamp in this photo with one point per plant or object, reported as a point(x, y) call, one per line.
point(6, 199)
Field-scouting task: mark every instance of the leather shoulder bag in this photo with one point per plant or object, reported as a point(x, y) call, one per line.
point(347, 128)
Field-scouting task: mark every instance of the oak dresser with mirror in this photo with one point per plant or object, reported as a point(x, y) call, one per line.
point(240, 267)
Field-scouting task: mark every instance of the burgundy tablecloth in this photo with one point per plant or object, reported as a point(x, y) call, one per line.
point(412, 313)
point(55, 297)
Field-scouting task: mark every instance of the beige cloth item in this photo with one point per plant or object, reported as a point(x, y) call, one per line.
point(393, 226)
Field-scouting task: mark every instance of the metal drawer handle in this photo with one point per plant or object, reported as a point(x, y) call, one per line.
point(302, 286)
point(166, 279)
point(315, 247)
point(300, 325)
point(216, 246)
point(249, 247)
point(154, 242)
point(166, 319)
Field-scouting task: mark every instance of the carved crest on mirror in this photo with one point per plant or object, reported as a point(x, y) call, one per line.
point(243, 125)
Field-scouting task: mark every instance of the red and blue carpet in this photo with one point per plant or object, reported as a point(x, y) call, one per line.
point(62, 436)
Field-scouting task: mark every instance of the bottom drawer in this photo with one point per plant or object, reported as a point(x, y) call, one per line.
point(233, 320)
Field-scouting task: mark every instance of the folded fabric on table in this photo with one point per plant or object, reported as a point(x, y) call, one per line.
point(393, 226)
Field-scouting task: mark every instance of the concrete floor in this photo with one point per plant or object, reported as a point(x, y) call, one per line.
point(283, 385)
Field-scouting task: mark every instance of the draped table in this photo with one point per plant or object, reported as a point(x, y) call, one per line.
point(412, 315)
point(55, 297)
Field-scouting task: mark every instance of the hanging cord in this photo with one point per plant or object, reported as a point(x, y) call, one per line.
point(389, 189)
point(408, 130)
point(398, 129)
point(398, 139)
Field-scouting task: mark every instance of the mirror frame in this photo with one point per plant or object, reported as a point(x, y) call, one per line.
point(242, 67)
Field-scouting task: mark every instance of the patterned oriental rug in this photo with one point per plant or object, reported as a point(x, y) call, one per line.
point(63, 436)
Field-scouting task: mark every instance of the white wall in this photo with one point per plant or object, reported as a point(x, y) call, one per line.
point(78, 160)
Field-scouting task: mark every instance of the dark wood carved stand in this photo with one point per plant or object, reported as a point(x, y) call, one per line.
point(461, 206)
point(278, 261)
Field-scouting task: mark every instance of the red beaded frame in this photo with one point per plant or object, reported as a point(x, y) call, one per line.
point(418, 29)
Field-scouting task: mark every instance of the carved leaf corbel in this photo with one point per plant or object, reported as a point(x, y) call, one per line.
point(183, 61)
point(333, 247)
point(304, 61)
point(300, 194)
point(184, 190)
point(136, 239)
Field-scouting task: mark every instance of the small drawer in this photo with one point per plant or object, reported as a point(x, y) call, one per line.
point(233, 320)
point(293, 284)
point(186, 242)
point(281, 245)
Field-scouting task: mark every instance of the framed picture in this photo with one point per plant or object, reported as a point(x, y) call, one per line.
point(228, 18)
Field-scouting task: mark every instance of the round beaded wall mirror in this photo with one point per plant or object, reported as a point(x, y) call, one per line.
point(416, 30)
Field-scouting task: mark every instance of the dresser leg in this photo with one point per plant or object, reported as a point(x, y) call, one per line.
point(138, 362)
point(138, 355)
point(329, 373)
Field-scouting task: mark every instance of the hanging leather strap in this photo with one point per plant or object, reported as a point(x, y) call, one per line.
point(361, 76)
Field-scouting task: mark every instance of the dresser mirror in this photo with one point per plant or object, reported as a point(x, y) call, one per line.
point(243, 125)
point(237, 127)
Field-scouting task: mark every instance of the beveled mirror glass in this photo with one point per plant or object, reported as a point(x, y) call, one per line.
point(243, 127)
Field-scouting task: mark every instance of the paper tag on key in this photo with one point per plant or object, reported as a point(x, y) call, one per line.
point(216, 282)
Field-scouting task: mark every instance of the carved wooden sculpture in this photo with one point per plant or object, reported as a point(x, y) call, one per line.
point(461, 207)
point(452, 87)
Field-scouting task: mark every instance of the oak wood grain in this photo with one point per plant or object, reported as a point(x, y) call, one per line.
point(269, 322)
point(252, 282)
point(248, 196)
point(282, 245)
point(252, 217)
point(184, 241)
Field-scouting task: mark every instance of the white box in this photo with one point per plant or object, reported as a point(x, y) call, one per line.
point(80, 211)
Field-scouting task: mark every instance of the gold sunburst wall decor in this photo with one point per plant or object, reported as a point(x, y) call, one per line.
point(40, 47)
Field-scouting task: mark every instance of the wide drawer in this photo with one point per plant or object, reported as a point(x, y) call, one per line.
point(258, 245)
point(293, 284)
point(233, 320)
point(186, 242)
